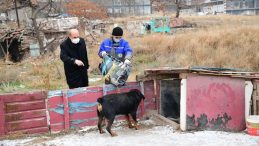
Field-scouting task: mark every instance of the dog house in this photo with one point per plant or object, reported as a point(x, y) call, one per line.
point(204, 99)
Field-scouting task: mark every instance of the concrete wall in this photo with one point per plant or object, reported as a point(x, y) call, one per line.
point(23, 13)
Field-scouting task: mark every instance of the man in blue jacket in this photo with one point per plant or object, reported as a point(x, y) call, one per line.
point(116, 47)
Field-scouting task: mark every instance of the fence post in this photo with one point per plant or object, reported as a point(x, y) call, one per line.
point(66, 110)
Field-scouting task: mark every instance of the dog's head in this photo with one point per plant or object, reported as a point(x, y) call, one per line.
point(137, 94)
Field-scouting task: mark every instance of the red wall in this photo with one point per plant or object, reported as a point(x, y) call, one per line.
point(215, 102)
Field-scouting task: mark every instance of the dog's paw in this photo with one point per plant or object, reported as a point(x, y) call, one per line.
point(131, 126)
point(102, 132)
point(114, 134)
point(137, 127)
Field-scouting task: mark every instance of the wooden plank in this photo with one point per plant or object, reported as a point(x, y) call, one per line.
point(57, 127)
point(38, 130)
point(81, 110)
point(173, 124)
point(55, 108)
point(25, 106)
point(24, 96)
point(86, 95)
point(2, 117)
point(157, 93)
point(159, 71)
point(156, 76)
point(27, 124)
point(66, 110)
point(83, 115)
point(84, 122)
point(166, 71)
point(56, 117)
point(25, 115)
point(150, 101)
point(255, 97)
point(109, 89)
point(82, 105)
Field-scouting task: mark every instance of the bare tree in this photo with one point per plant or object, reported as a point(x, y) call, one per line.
point(159, 5)
point(179, 5)
point(35, 12)
point(163, 4)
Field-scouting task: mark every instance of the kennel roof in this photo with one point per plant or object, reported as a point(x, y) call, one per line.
point(167, 72)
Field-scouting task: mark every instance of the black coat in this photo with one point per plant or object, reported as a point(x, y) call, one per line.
point(76, 76)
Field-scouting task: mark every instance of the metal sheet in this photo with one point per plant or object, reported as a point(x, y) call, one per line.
point(215, 103)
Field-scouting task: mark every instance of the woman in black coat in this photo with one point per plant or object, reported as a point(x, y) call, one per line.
point(74, 56)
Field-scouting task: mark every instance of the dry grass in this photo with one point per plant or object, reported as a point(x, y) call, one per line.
point(226, 41)
point(214, 47)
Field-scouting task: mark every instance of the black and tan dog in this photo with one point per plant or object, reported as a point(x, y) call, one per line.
point(118, 104)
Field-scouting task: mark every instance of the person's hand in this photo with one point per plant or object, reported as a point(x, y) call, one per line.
point(127, 62)
point(79, 63)
point(103, 53)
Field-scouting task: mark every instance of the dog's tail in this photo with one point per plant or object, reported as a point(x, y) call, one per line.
point(99, 106)
point(100, 100)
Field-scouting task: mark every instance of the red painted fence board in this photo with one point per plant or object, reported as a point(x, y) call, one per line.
point(27, 112)
point(150, 101)
point(82, 105)
point(24, 106)
point(26, 124)
point(23, 112)
point(21, 97)
point(215, 103)
point(25, 115)
point(2, 117)
point(38, 130)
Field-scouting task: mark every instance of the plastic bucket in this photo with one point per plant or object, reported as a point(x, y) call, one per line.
point(252, 124)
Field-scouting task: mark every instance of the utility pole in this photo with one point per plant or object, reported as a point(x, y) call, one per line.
point(17, 16)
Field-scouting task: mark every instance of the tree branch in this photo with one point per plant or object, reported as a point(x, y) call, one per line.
point(35, 13)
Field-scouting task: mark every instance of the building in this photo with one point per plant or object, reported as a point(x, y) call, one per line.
point(247, 7)
point(244, 7)
point(126, 7)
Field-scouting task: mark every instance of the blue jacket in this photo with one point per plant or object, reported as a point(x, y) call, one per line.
point(122, 49)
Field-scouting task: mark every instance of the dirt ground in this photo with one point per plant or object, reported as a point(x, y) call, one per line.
point(152, 133)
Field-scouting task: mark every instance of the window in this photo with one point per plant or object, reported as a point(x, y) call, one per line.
point(117, 2)
point(249, 4)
